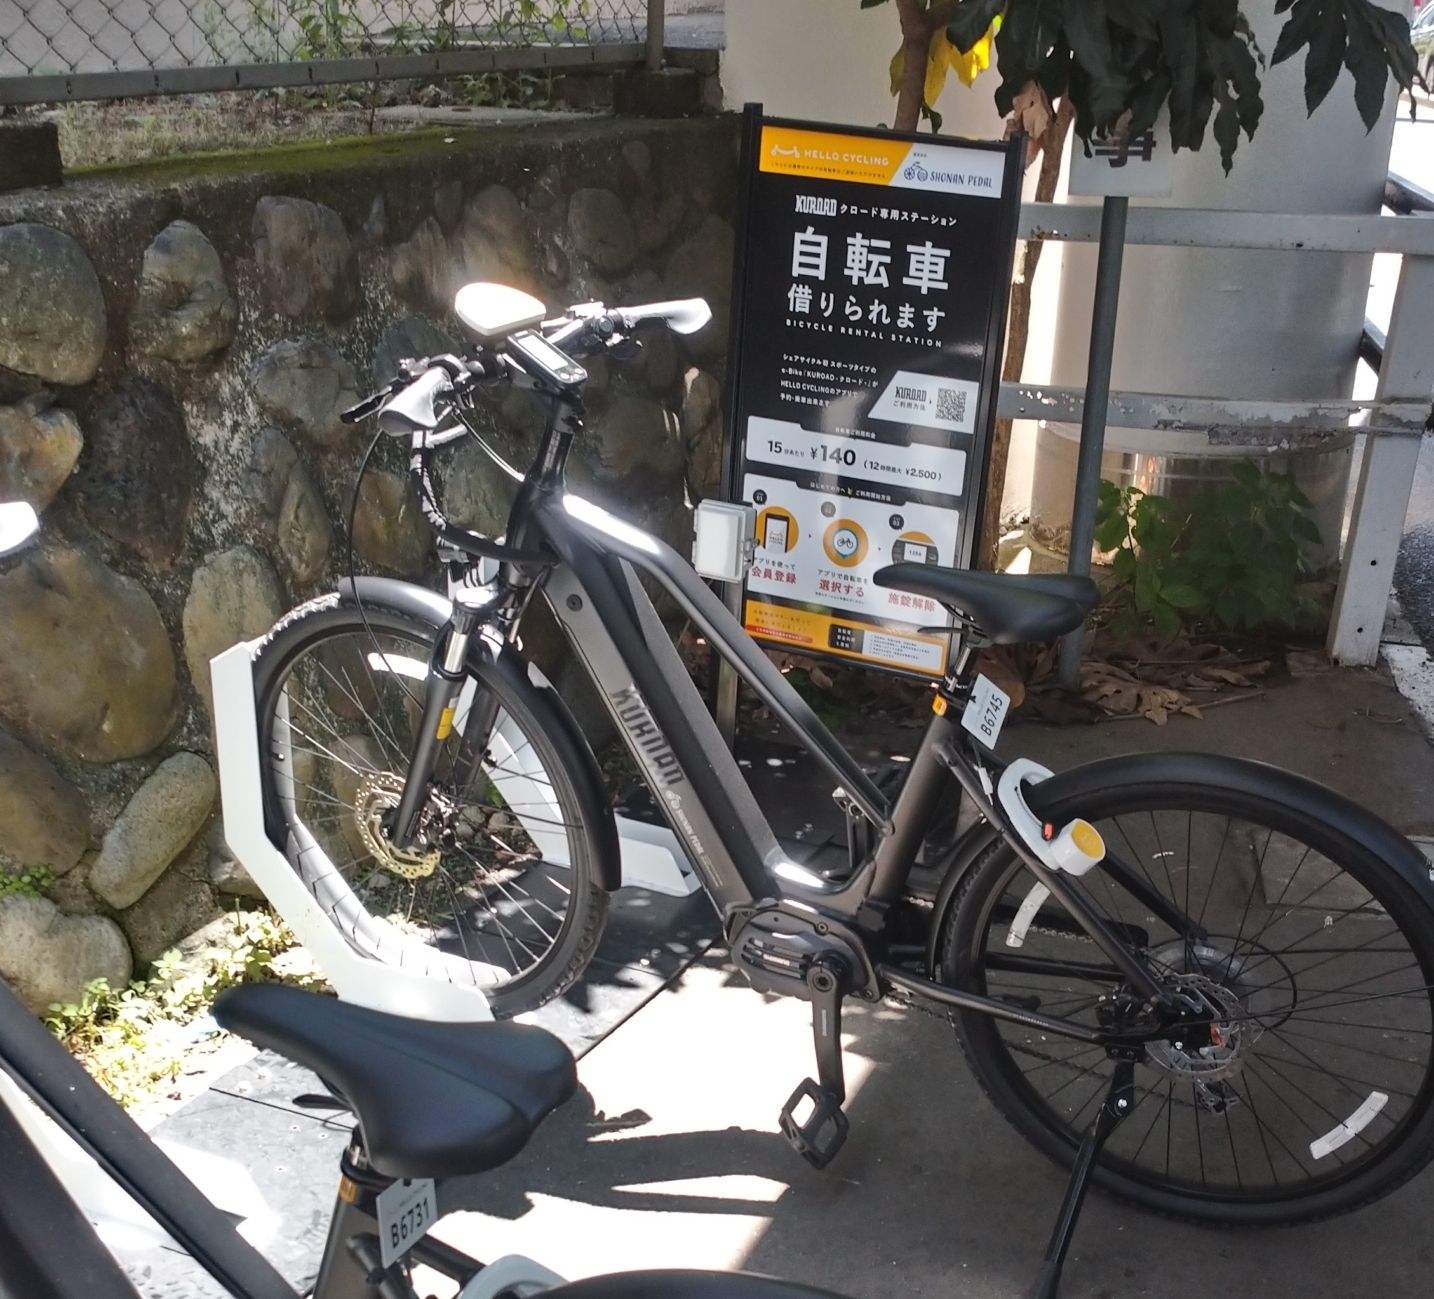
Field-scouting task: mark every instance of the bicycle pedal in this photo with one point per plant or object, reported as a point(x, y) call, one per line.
point(808, 1138)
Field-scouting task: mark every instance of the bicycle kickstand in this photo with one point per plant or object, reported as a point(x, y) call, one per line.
point(1119, 1101)
point(826, 981)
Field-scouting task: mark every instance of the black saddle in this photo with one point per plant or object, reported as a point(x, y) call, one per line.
point(433, 1100)
point(679, 1284)
point(1009, 608)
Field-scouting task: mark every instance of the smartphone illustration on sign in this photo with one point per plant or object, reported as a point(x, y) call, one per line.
point(775, 534)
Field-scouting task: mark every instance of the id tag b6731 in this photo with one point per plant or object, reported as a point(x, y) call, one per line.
point(406, 1210)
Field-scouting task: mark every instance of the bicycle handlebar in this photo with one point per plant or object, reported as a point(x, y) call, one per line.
point(407, 407)
point(583, 328)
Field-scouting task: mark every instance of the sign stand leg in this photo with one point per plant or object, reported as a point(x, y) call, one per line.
point(727, 675)
point(1093, 413)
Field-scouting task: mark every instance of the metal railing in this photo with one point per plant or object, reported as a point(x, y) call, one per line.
point(58, 50)
point(1394, 420)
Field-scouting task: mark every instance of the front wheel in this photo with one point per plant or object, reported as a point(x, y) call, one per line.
point(499, 887)
point(1315, 1095)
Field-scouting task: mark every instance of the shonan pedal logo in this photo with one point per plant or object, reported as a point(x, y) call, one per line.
point(872, 160)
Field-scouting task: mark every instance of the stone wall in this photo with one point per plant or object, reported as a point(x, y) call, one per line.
point(175, 345)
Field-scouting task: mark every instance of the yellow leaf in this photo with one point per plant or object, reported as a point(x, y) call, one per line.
point(976, 60)
point(937, 55)
point(943, 55)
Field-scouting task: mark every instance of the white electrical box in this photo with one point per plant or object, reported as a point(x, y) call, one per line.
point(724, 539)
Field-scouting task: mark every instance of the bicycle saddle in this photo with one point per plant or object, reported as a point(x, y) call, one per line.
point(1008, 607)
point(434, 1100)
point(679, 1283)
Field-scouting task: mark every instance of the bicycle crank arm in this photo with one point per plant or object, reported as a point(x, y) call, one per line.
point(914, 983)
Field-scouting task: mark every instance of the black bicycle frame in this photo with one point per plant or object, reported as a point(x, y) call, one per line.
point(596, 595)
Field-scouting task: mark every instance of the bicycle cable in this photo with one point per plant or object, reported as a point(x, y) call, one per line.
point(353, 566)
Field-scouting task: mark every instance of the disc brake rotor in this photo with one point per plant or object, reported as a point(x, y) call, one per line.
point(1227, 987)
point(377, 795)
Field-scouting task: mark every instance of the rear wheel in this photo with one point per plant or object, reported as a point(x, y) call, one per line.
point(1318, 956)
point(498, 888)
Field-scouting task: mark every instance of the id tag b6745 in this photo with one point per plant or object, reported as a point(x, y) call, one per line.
point(986, 711)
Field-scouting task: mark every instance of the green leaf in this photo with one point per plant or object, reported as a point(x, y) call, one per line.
point(1303, 21)
point(1326, 55)
point(1247, 473)
point(971, 21)
point(1227, 127)
point(1167, 621)
point(1028, 33)
point(1364, 57)
point(1085, 30)
point(1136, 16)
point(1393, 31)
point(1147, 586)
point(1182, 596)
point(1180, 53)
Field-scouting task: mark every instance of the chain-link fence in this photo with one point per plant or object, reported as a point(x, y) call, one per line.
point(74, 49)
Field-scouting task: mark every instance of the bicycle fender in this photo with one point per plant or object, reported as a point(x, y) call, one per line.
point(557, 720)
point(1199, 770)
point(1242, 775)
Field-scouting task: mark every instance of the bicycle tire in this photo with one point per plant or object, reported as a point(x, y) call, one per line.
point(1283, 1123)
point(498, 906)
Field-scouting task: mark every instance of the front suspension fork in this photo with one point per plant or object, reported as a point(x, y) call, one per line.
point(445, 682)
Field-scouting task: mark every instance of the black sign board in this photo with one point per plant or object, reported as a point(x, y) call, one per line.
point(873, 271)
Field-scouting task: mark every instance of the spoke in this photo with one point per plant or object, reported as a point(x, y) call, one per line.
point(1234, 1155)
point(1160, 1109)
point(350, 691)
point(1363, 1050)
point(1360, 1086)
point(1214, 871)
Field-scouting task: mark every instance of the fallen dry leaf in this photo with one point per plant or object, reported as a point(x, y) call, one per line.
point(1031, 113)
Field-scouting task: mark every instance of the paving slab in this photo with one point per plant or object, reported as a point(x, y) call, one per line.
point(1348, 728)
point(670, 1156)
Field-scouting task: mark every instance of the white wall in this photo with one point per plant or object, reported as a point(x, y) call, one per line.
point(828, 60)
point(1235, 323)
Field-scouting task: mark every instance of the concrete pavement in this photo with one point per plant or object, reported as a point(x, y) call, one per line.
point(670, 1156)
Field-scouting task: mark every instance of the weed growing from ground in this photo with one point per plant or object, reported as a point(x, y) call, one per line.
point(134, 1040)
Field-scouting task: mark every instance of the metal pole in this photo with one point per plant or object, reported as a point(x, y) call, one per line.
point(656, 33)
point(726, 710)
point(1092, 420)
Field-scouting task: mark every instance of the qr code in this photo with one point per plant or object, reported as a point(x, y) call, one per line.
point(951, 404)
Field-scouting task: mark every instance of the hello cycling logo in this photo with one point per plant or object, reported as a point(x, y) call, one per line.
point(914, 171)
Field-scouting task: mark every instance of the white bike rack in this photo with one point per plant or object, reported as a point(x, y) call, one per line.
point(368, 961)
point(368, 964)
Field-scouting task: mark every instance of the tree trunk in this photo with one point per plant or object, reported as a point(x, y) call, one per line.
point(1017, 332)
point(915, 43)
point(918, 26)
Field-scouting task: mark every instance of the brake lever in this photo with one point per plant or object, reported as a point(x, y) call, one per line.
point(368, 406)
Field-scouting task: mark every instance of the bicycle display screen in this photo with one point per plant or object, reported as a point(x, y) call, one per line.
point(871, 300)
